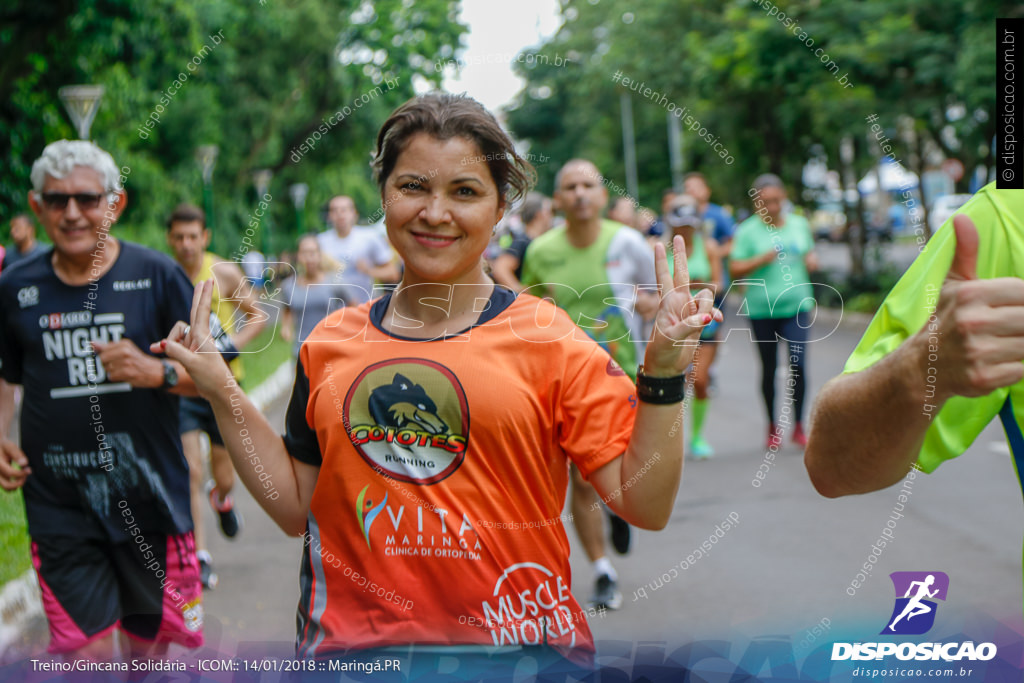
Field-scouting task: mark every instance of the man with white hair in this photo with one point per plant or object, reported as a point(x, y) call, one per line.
point(106, 485)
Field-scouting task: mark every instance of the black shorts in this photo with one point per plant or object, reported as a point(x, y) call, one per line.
point(196, 413)
point(148, 587)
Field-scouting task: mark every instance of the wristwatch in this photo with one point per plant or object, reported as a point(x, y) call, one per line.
point(170, 376)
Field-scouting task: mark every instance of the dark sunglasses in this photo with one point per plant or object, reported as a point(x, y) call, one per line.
point(84, 200)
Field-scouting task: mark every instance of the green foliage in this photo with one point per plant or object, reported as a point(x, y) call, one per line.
point(271, 352)
point(281, 67)
point(281, 70)
point(858, 294)
point(15, 559)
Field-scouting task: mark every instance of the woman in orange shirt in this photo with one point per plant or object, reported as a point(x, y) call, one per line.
point(430, 431)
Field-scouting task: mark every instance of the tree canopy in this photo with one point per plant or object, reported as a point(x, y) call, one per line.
point(299, 87)
point(257, 79)
point(768, 80)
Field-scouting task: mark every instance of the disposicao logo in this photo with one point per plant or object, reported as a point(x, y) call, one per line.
point(914, 614)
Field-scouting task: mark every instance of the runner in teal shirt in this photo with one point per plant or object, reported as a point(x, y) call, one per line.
point(772, 253)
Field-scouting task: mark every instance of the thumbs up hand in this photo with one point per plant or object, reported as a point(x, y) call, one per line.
point(965, 258)
point(976, 342)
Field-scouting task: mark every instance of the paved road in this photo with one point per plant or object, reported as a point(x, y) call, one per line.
point(784, 568)
point(789, 562)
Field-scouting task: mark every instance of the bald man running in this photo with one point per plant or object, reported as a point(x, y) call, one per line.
point(583, 266)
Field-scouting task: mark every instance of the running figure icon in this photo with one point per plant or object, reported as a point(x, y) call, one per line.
point(915, 606)
point(917, 595)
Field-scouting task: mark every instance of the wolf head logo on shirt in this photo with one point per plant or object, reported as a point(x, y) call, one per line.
point(405, 404)
point(409, 419)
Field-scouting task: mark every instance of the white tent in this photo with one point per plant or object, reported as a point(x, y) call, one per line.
point(894, 178)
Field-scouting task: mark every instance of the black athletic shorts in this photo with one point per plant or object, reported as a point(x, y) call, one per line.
point(148, 586)
point(196, 413)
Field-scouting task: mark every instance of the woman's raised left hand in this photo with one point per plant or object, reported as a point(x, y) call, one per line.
point(680, 318)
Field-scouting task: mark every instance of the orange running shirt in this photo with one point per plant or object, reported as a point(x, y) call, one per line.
point(444, 463)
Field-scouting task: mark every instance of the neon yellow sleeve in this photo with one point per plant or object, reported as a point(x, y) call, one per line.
point(998, 215)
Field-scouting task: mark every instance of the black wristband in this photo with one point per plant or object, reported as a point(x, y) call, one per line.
point(660, 390)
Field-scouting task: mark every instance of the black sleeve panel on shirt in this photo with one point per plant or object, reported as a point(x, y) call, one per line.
point(301, 441)
point(10, 350)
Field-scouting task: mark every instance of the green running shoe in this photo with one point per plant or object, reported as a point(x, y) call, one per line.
point(700, 448)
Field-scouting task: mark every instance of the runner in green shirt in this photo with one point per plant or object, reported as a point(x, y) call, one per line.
point(595, 283)
point(595, 270)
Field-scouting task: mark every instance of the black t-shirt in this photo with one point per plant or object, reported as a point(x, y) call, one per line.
point(101, 452)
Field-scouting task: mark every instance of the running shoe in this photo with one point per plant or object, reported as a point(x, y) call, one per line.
point(230, 520)
point(206, 575)
point(799, 438)
point(620, 533)
point(606, 593)
point(774, 437)
point(700, 448)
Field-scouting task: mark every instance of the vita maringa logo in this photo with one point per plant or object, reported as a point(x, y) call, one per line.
point(365, 513)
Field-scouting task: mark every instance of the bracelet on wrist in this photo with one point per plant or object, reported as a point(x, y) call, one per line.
point(660, 390)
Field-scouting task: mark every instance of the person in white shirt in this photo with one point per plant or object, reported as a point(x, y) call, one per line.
point(363, 254)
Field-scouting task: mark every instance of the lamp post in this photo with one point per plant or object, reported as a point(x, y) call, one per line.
point(858, 242)
point(629, 145)
point(206, 157)
point(675, 151)
point(261, 179)
point(81, 103)
point(298, 193)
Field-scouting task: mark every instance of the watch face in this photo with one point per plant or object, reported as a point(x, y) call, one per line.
point(170, 375)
